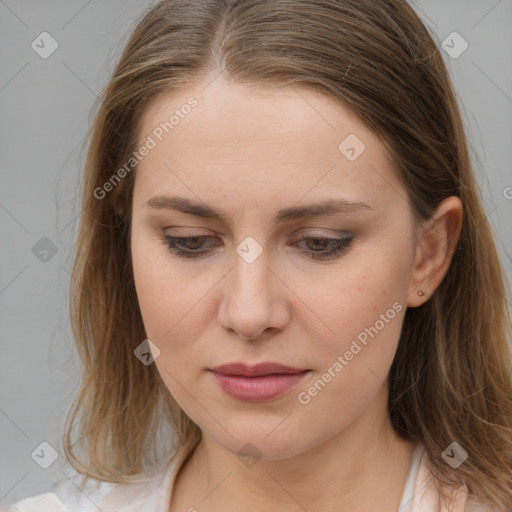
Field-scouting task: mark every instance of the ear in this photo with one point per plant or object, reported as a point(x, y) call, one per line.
point(434, 251)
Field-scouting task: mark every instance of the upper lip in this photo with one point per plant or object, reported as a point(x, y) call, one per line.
point(246, 370)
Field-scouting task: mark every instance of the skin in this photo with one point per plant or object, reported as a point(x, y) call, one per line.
point(251, 152)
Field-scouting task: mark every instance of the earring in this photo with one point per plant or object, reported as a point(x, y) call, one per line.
point(421, 293)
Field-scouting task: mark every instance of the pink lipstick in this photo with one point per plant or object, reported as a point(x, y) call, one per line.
point(257, 383)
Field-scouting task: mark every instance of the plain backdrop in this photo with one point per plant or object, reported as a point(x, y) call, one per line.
point(45, 106)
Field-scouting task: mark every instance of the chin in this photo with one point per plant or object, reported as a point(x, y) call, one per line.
point(265, 443)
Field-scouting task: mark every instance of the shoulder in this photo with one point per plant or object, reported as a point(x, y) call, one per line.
point(47, 502)
point(68, 495)
point(151, 488)
point(426, 496)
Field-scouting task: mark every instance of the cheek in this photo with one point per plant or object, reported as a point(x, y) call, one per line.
point(172, 302)
point(370, 295)
point(169, 305)
point(357, 358)
point(162, 291)
point(364, 311)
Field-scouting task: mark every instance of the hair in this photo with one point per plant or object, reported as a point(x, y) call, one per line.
point(451, 379)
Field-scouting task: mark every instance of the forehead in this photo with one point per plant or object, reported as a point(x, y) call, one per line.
point(259, 145)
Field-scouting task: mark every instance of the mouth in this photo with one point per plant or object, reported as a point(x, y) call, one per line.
point(257, 383)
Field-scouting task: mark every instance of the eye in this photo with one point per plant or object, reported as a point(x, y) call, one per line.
point(336, 246)
point(192, 244)
point(323, 247)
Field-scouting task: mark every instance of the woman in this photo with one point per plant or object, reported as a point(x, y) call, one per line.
point(283, 255)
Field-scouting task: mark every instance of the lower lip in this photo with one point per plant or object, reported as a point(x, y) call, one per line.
point(258, 389)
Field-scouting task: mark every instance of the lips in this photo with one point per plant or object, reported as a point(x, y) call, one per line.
point(257, 370)
point(257, 383)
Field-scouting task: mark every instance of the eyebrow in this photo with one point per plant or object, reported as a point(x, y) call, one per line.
point(328, 207)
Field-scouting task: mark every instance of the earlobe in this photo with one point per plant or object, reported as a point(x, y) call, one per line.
point(435, 248)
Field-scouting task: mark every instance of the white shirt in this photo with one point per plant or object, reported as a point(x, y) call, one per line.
point(152, 493)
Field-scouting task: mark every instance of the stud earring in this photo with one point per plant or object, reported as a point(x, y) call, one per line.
point(421, 293)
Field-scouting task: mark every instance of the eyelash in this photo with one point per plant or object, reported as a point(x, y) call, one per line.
point(341, 246)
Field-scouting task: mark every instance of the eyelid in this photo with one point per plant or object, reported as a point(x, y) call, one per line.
point(342, 244)
point(331, 233)
point(309, 231)
point(304, 234)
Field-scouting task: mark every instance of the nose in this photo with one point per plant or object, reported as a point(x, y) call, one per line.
point(254, 302)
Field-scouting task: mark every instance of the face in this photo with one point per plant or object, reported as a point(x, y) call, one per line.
point(267, 275)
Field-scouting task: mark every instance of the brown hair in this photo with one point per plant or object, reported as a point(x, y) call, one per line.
point(451, 377)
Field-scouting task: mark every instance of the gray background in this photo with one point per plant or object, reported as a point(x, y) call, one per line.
point(45, 109)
